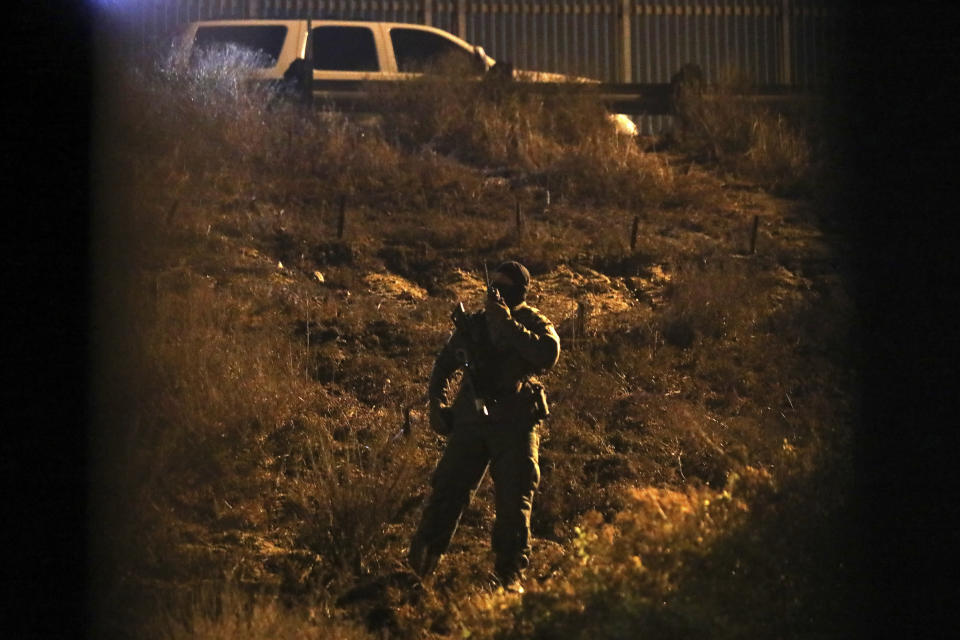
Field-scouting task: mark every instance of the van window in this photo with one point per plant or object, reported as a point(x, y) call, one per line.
point(418, 50)
point(266, 40)
point(344, 49)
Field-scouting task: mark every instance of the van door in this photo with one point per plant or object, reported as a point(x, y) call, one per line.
point(417, 50)
point(345, 55)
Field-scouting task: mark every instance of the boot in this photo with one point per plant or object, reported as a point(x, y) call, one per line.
point(422, 560)
point(509, 577)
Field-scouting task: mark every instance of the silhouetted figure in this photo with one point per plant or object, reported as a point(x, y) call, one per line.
point(687, 89)
point(297, 78)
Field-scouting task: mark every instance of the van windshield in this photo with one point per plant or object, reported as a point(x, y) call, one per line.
point(265, 40)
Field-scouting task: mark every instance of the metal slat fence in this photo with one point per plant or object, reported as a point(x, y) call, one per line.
point(785, 42)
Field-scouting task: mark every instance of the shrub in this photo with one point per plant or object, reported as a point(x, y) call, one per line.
point(564, 138)
point(745, 137)
point(712, 298)
point(677, 563)
point(490, 122)
point(231, 613)
point(352, 478)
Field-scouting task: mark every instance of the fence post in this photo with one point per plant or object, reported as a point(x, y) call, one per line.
point(462, 18)
point(626, 42)
point(786, 39)
point(580, 322)
point(428, 12)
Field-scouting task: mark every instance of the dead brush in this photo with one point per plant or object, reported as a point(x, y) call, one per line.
point(619, 573)
point(268, 149)
point(496, 122)
point(694, 561)
point(608, 169)
point(711, 298)
point(212, 387)
point(198, 391)
point(489, 122)
point(778, 157)
point(745, 137)
point(226, 612)
point(352, 483)
point(582, 389)
point(213, 406)
point(719, 127)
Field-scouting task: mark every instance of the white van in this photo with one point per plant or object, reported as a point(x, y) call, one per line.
point(347, 54)
point(342, 50)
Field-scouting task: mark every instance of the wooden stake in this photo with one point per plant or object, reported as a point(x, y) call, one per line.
point(580, 324)
point(519, 220)
point(753, 235)
point(633, 233)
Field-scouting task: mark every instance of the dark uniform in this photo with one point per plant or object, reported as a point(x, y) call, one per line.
point(509, 343)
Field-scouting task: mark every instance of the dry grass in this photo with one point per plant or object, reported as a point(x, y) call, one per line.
point(231, 613)
point(491, 122)
point(750, 139)
point(261, 457)
point(691, 561)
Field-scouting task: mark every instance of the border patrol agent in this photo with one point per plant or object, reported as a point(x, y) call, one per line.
point(492, 422)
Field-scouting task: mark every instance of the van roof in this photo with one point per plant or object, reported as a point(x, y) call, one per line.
point(271, 21)
point(335, 21)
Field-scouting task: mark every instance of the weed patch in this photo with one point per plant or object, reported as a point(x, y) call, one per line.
point(749, 139)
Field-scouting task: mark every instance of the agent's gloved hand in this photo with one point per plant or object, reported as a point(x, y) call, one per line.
point(497, 313)
point(441, 419)
point(494, 305)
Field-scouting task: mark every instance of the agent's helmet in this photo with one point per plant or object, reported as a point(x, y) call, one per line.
point(511, 279)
